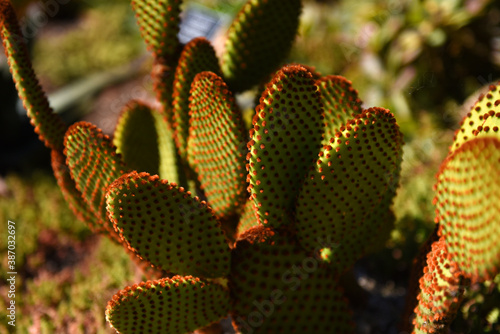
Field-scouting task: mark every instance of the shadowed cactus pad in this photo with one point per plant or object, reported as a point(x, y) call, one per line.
point(350, 178)
point(258, 41)
point(217, 144)
point(165, 226)
point(340, 100)
point(136, 137)
point(285, 139)
point(279, 288)
point(170, 305)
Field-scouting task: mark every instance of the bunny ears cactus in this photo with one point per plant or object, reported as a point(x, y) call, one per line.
point(171, 230)
point(308, 188)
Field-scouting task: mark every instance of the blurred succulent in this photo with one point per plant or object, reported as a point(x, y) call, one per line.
point(465, 249)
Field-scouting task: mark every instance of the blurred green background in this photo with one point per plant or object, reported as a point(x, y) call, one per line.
point(423, 60)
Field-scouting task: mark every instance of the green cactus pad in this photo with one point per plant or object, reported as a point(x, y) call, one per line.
point(248, 218)
point(441, 292)
point(340, 100)
point(278, 288)
point(166, 226)
point(258, 40)
point(198, 56)
point(159, 21)
point(48, 125)
point(71, 195)
point(287, 134)
point(136, 139)
point(170, 168)
point(217, 144)
point(169, 305)
point(468, 207)
point(482, 120)
point(348, 183)
point(93, 164)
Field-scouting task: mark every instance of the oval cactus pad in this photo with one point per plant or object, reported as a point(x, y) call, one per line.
point(159, 21)
point(169, 306)
point(197, 56)
point(482, 121)
point(348, 182)
point(259, 39)
point(217, 144)
point(166, 226)
point(276, 287)
point(468, 207)
point(93, 164)
point(286, 138)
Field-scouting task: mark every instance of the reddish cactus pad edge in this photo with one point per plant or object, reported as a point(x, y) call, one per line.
point(259, 39)
point(276, 287)
point(217, 144)
point(441, 291)
point(350, 179)
point(164, 225)
point(197, 56)
point(169, 305)
point(468, 207)
point(48, 125)
point(287, 134)
point(93, 164)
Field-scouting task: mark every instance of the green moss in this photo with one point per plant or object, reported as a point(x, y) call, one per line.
point(105, 37)
point(57, 292)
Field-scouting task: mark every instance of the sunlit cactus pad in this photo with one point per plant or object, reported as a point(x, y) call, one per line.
point(279, 288)
point(483, 120)
point(164, 225)
point(166, 306)
point(468, 206)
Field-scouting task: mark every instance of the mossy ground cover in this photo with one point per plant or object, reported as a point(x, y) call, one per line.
point(65, 273)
